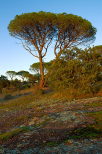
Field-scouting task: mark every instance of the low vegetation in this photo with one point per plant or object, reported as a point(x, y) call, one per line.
point(42, 110)
point(12, 133)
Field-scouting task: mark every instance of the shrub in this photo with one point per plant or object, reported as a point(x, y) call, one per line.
point(79, 70)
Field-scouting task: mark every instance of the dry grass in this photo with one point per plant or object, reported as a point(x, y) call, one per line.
point(71, 94)
point(22, 110)
point(18, 92)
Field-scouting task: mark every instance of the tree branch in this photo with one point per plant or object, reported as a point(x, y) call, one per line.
point(29, 50)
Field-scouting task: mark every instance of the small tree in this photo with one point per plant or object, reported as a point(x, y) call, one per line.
point(32, 79)
point(2, 77)
point(11, 74)
point(35, 67)
point(23, 74)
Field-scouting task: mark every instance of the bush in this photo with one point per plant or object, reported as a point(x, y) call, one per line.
point(80, 72)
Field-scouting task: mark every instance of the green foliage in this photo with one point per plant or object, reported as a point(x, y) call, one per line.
point(23, 74)
point(77, 69)
point(4, 83)
point(59, 26)
point(9, 86)
point(2, 77)
point(33, 22)
point(16, 84)
point(87, 132)
point(35, 67)
point(52, 144)
point(11, 74)
point(72, 30)
point(63, 72)
point(92, 77)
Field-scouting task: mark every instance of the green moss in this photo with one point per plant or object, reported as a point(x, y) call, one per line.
point(82, 133)
point(52, 144)
point(88, 132)
point(7, 135)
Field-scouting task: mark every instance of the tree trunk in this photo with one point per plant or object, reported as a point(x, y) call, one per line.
point(41, 72)
point(57, 56)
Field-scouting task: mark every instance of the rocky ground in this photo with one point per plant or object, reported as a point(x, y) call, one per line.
point(53, 126)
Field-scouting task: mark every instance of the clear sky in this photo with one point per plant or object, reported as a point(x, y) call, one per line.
point(12, 54)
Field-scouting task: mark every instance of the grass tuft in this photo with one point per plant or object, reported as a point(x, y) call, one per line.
point(8, 135)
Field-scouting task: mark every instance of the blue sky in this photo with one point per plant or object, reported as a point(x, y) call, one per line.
point(12, 54)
